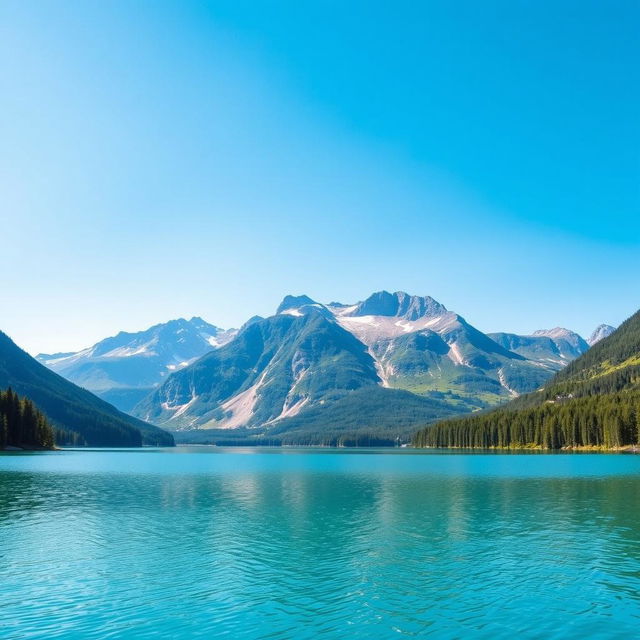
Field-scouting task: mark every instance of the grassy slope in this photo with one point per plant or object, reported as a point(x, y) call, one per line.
point(421, 362)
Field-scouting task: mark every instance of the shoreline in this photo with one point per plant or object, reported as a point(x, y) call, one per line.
point(14, 449)
point(627, 448)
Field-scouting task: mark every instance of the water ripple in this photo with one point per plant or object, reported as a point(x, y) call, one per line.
point(108, 545)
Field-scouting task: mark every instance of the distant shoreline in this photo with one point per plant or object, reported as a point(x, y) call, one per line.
point(628, 448)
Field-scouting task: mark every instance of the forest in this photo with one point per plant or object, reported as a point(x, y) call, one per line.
point(611, 421)
point(594, 402)
point(22, 425)
point(77, 416)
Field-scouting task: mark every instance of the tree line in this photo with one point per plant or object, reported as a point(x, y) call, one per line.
point(609, 421)
point(619, 347)
point(595, 401)
point(22, 425)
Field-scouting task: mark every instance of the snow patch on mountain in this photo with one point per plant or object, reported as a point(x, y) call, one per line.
point(179, 409)
point(185, 407)
point(455, 354)
point(127, 352)
point(241, 407)
point(600, 332)
point(380, 368)
point(340, 310)
point(503, 383)
point(556, 332)
point(288, 411)
point(371, 329)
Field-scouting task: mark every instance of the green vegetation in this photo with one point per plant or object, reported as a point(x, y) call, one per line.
point(289, 358)
point(421, 362)
point(22, 425)
point(79, 417)
point(372, 416)
point(610, 421)
point(365, 417)
point(594, 402)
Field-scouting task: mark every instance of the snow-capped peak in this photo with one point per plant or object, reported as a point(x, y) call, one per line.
point(556, 332)
point(600, 332)
point(139, 359)
point(398, 304)
point(291, 304)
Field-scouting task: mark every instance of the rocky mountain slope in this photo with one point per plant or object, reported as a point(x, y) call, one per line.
point(124, 368)
point(420, 346)
point(313, 365)
point(593, 402)
point(272, 370)
point(600, 332)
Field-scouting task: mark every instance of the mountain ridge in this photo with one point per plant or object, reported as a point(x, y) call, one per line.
point(593, 402)
point(230, 385)
point(69, 407)
point(122, 369)
point(273, 375)
point(310, 359)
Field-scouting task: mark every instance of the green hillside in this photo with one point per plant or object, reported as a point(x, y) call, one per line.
point(272, 362)
point(78, 416)
point(594, 402)
point(371, 416)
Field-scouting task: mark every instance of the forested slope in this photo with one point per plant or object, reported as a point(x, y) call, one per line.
point(595, 401)
point(78, 416)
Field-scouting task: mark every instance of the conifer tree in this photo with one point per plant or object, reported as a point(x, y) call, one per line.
point(21, 424)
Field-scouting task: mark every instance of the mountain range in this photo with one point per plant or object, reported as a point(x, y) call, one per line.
point(318, 373)
point(126, 367)
point(313, 368)
point(593, 402)
point(78, 416)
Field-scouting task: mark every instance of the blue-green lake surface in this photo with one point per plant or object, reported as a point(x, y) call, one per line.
point(288, 543)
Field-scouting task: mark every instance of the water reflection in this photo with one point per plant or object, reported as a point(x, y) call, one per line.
point(300, 546)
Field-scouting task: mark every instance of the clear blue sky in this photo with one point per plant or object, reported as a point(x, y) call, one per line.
point(206, 158)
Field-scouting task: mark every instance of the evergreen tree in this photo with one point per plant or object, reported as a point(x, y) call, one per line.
point(595, 401)
point(21, 424)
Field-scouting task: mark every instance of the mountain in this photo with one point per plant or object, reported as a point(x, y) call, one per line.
point(593, 402)
point(85, 418)
point(552, 349)
point(569, 343)
point(398, 305)
point(420, 346)
point(600, 332)
point(272, 369)
point(295, 377)
point(293, 304)
point(313, 369)
point(123, 369)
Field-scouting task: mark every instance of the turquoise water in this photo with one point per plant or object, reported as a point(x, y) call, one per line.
point(210, 543)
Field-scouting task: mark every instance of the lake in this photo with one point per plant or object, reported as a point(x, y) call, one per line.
point(199, 542)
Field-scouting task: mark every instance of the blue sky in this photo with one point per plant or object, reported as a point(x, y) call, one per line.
point(176, 159)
